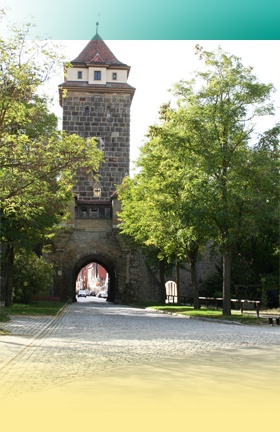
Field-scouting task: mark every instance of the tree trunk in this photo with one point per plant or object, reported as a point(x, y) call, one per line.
point(9, 265)
point(226, 280)
point(162, 281)
point(196, 303)
point(193, 258)
point(178, 281)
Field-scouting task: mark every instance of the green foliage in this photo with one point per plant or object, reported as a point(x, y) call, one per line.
point(270, 291)
point(38, 163)
point(215, 115)
point(40, 308)
point(202, 176)
point(247, 319)
point(32, 275)
point(4, 317)
point(212, 286)
point(270, 282)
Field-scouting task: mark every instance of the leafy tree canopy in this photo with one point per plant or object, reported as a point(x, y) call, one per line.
point(38, 163)
point(203, 172)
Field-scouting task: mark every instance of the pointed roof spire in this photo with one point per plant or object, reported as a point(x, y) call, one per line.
point(96, 51)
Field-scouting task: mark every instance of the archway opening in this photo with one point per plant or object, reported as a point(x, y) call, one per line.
point(92, 281)
point(95, 274)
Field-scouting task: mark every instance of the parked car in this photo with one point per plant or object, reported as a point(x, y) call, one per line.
point(93, 293)
point(102, 294)
point(82, 293)
point(87, 292)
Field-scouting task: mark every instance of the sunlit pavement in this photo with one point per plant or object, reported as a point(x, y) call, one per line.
point(112, 355)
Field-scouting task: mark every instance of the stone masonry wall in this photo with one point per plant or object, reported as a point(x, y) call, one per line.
point(107, 117)
point(133, 279)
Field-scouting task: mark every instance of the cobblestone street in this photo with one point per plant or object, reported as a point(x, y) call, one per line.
point(94, 338)
point(101, 366)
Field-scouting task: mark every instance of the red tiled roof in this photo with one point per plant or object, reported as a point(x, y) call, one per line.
point(85, 84)
point(78, 86)
point(96, 51)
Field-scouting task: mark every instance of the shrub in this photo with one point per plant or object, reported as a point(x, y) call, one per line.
point(32, 275)
point(270, 291)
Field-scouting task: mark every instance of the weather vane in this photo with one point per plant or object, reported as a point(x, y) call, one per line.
point(97, 23)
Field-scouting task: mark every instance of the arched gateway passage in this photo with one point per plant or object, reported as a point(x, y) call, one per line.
point(104, 262)
point(92, 111)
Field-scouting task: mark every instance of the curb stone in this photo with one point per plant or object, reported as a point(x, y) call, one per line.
point(34, 337)
point(195, 318)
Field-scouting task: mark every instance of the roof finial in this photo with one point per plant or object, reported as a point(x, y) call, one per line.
point(97, 23)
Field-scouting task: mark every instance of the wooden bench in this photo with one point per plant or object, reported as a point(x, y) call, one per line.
point(217, 301)
point(256, 303)
point(241, 302)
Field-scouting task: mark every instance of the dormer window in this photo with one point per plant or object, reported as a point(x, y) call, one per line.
point(80, 74)
point(97, 75)
point(114, 76)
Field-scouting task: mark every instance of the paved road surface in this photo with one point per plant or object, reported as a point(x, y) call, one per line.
point(94, 337)
point(99, 366)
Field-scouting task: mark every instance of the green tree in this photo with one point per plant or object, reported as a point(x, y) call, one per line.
point(32, 275)
point(203, 147)
point(215, 119)
point(38, 163)
point(137, 220)
point(160, 207)
point(256, 249)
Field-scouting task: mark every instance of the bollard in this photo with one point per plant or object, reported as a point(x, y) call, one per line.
point(270, 321)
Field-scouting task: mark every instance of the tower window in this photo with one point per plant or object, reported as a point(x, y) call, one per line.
point(97, 75)
point(101, 143)
point(114, 76)
point(80, 74)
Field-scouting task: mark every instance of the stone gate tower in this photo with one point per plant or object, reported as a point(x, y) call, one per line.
point(96, 100)
point(98, 105)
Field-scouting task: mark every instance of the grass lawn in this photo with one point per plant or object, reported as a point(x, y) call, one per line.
point(4, 317)
point(236, 316)
point(40, 308)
